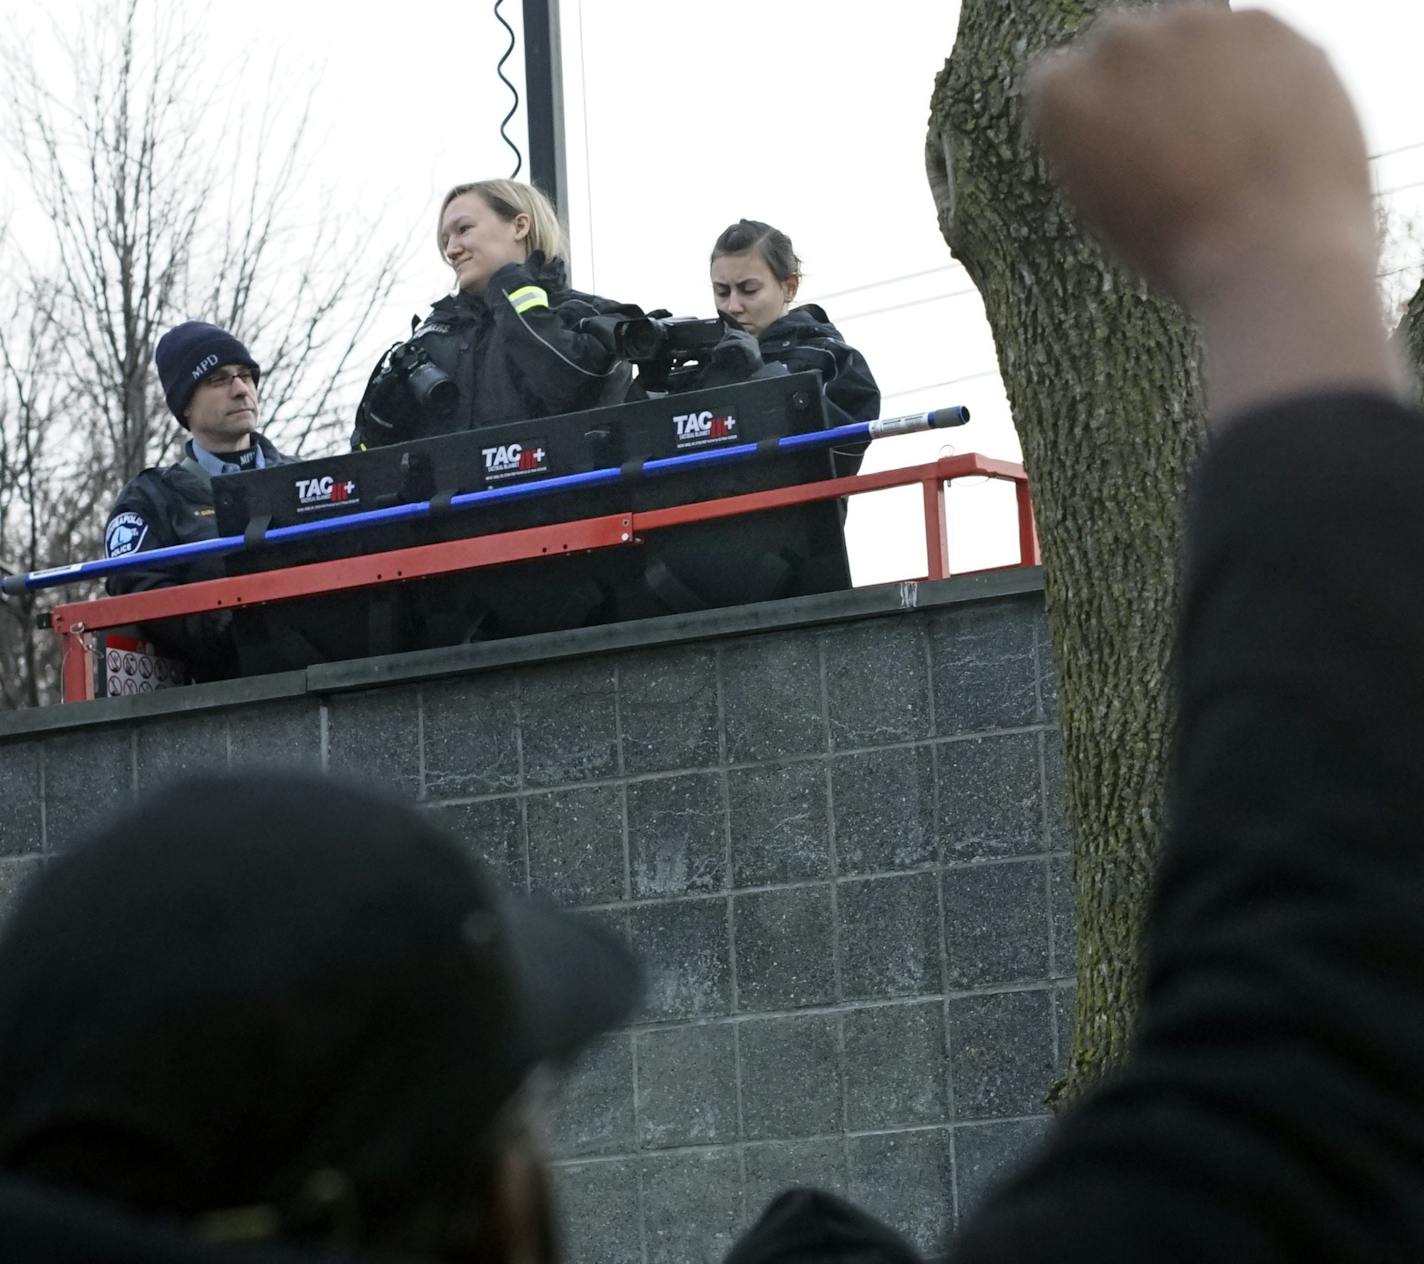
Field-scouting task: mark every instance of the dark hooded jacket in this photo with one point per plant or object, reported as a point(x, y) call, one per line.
point(43, 1225)
point(805, 339)
point(809, 1226)
point(525, 346)
point(174, 505)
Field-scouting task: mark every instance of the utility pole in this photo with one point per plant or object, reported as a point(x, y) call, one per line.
point(544, 98)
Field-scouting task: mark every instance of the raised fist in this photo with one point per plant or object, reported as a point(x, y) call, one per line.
point(1194, 139)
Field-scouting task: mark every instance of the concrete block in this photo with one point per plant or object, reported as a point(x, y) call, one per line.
point(776, 1166)
point(686, 956)
point(21, 823)
point(1065, 919)
point(791, 1076)
point(471, 735)
point(990, 798)
point(885, 810)
point(897, 1069)
point(780, 824)
point(692, 1205)
point(374, 738)
point(687, 1086)
point(492, 831)
point(598, 1212)
point(677, 835)
point(985, 669)
point(569, 721)
point(877, 682)
point(180, 746)
point(986, 1154)
point(906, 1179)
point(667, 700)
point(275, 735)
point(783, 948)
point(996, 924)
point(1001, 1054)
point(88, 776)
point(576, 849)
point(771, 697)
point(593, 1111)
point(889, 937)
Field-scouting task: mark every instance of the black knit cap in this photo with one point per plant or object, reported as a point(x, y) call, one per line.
point(187, 353)
point(235, 987)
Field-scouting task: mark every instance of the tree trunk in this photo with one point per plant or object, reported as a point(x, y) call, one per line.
point(1103, 379)
point(1409, 338)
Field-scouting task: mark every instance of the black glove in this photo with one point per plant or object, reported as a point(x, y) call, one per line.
point(735, 358)
point(600, 329)
point(514, 276)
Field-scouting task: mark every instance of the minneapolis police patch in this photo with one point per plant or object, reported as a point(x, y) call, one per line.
point(124, 535)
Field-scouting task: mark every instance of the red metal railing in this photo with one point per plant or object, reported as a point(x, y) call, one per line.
point(76, 622)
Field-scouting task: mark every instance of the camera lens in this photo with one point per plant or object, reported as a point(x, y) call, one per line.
point(433, 390)
point(640, 339)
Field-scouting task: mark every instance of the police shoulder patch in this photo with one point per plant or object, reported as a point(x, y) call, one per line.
point(124, 534)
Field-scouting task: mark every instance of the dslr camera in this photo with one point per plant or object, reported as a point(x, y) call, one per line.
point(406, 386)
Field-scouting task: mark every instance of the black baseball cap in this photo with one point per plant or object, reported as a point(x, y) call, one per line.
point(251, 979)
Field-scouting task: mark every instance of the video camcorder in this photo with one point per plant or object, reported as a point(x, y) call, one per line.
point(660, 343)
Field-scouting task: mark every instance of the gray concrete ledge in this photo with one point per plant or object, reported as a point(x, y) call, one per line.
point(366, 673)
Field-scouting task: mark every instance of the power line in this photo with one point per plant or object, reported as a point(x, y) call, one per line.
point(875, 285)
point(1408, 267)
point(956, 266)
point(1399, 188)
point(1403, 149)
point(941, 298)
point(899, 307)
point(934, 386)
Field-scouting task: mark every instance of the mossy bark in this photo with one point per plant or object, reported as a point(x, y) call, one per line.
point(1103, 377)
point(1409, 338)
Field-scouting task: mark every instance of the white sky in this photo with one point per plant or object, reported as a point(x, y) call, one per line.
point(681, 118)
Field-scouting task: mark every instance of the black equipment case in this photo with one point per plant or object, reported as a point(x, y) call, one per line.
point(777, 553)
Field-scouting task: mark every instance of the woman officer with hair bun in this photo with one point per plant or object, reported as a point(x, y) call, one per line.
point(512, 340)
point(755, 278)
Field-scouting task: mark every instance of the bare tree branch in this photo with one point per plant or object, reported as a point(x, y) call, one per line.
point(150, 226)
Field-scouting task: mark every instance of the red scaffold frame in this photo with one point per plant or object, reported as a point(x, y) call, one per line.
point(76, 622)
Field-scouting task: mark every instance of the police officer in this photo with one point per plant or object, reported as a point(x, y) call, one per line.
point(512, 343)
point(210, 382)
point(755, 278)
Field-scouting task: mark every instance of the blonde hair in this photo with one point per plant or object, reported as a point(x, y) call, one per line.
point(508, 198)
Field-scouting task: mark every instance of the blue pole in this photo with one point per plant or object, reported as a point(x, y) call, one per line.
point(159, 558)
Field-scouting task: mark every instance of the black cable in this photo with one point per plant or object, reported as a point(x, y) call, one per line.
point(513, 91)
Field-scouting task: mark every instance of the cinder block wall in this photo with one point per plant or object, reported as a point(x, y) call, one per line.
point(832, 829)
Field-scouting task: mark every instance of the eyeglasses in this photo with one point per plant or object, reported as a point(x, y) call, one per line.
point(223, 379)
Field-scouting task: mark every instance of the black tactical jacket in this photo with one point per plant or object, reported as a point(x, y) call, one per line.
point(162, 507)
point(805, 339)
point(518, 349)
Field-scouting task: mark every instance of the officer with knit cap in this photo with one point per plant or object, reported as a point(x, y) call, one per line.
point(209, 381)
point(188, 355)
